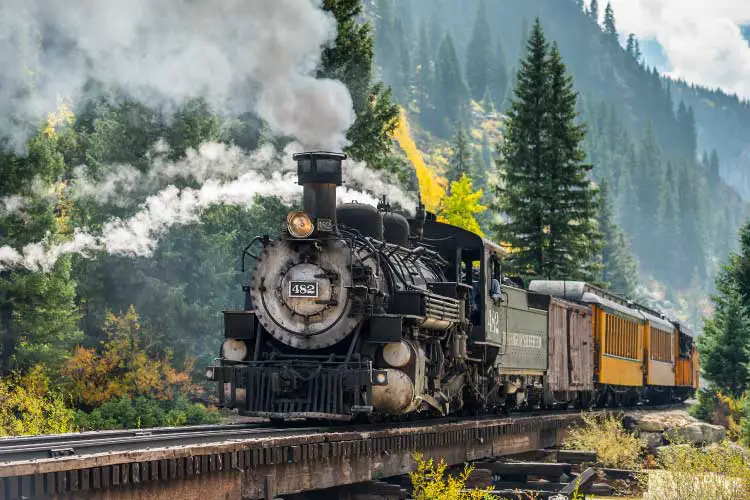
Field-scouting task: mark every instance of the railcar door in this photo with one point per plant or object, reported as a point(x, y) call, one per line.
point(496, 302)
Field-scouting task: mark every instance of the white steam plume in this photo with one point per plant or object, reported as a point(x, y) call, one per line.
point(211, 160)
point(262, 173)
point(240, 55)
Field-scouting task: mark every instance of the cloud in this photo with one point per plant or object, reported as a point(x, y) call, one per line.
point(701, 38)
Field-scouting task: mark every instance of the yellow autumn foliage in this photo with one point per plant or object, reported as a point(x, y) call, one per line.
point(429, 182)
point(462, 205)
point(28, 405)
point(122, 367)
point(429, 482)
point(60, 117)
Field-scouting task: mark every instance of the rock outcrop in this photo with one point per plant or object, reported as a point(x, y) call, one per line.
point(672, 426)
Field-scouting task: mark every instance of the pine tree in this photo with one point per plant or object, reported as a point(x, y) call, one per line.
point(39, 319)
point(461, 207)
point(648, 175)
point(451, 94)
point(630, 45)
point(478, 55)
point(404, 74)
point(594, 11)
point(713, 169)
point(725, 359)
point(692, 226)
point(498, 76)
point(386, 43)
point(619, 266)
point(460, 161)
point(549, 205)
point(573, 235)
point(424, 77)
point(350, 60)
point(610, 27)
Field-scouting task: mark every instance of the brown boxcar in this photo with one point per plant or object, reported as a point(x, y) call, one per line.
point(570, 368)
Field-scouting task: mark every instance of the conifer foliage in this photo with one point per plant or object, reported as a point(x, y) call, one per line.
point(460, 162)
point(725, 358)
point(478, 55)
point(619, 266)
point(545, 196)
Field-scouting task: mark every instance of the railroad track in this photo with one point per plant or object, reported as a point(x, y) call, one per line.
point(19, 449)
point(25, 448)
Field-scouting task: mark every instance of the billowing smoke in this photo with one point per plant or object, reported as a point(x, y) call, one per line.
point(115, 184)
point(228, 176)
point(240, 55)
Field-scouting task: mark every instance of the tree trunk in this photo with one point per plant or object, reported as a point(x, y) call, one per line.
point(6, 329)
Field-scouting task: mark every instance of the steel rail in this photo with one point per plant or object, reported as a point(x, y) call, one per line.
point(19, 449)
point(90, 443)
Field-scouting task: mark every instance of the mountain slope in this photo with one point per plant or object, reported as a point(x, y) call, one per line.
point(646, 133)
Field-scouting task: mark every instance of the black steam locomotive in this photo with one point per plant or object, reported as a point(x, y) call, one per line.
point(359, 311)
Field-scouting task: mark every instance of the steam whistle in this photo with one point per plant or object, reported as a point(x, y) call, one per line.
point(383, 205)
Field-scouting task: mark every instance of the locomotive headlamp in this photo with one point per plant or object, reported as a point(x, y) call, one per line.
point(299, 224)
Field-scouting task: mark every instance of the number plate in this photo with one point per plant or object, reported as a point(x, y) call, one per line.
point(308, 289)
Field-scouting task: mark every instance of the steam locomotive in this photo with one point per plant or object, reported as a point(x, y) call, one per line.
point(358, 311)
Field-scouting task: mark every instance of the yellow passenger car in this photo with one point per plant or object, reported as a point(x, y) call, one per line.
point(686, 362)
point(619, 343)
point(659, 354)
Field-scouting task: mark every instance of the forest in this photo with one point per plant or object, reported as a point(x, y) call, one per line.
point(668, 154)
point(106, 324)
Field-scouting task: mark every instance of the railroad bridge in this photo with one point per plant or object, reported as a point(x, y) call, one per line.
point(254, 461)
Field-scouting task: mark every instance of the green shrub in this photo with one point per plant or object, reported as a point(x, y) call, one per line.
point(704, 410)
point(614, 446)
point(124, 413)
point(29, 405)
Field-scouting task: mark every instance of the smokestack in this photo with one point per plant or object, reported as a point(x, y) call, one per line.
point(319, 173)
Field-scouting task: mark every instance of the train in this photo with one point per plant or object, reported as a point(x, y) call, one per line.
point(355, 312)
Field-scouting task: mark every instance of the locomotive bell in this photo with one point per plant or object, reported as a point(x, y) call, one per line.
point(319, 173)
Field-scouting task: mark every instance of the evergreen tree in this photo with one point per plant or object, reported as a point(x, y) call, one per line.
point(691, 225)
point(648, 175)
point(619, 266)
point(402, 85)
point(39, 319)
point(498, 76)
point(386, 43)
point(630, 45)
point(610, 27)
point(713, 169)
point(549, 205)
point(594, 11)
point(574, 241)
point(478, 57)
point(424, 76)
point(350, 60)
point(451, 94)
point(435, 34)
point(460, 161)
point(725, 359)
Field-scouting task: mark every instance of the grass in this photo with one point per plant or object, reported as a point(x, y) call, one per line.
point(614, 446)
point(717, 472)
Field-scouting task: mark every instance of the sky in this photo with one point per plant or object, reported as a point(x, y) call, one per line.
point(700, 40)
